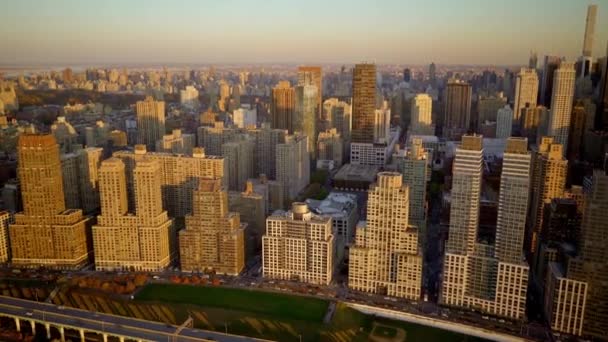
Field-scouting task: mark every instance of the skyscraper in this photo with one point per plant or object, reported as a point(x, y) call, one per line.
point(293, 165)
point(298, 245)
point(421, 122)
point(312, 75)
point(150, 122)
point(504, 122)
point(561, 104)
point(364, 103)
point(330, 147)
point(45, 233)
point(179, 175)
point(457, 109)
point(305, 115)
point(533, 62)
point(492, 278)
point(385, 258)
point(214, 238)
point(589, 30)
point(432, 72)
point(407, 75)
point(283, 105)
point(266, 141)
point(526, 92)
point(548, 182)
point(546, 87)
point(413, 165)
point(143, 240)
point(238, 156)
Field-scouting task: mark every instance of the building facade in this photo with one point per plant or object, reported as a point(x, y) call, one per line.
point(385, 258)
point(561, 104)
point(179, 175)
point(45, 233)
point(150, 122)
point(364, 103)
point(142, 240)
point(298, 245)
point(214, 238)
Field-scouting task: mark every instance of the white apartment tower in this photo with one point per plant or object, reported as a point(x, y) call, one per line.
point(298, 245)
point(479, 275)
point(561, 103)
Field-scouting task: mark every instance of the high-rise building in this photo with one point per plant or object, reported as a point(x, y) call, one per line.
point(364, 103)
point(592, 264)
point(533, 61)
point(488, 106)
point(189, 97)
point(432, 72)
point(407, 75)
point(589, 31)
point(179, 175)
point(150, 122)
point(578, 121)
point(382, 124)
point(65, 135)
point(330, 147)
point(45, 233)
point(142, 240)
point(601, 119)
point(457, 109)
point(504, 122)
point(176, 142)
point(251, 207)
point(293, 165)
point(413, 165)
point(298, 245)
point(561, 103)
point(245, 116)
point(89, 161)
point(224, 100)
point(340, 116)
point(305, 115)
point(283, 105)
point(546, 87)
point(266, 141)
point(212, 138)
point(526, 92)
point(385, 258)
point(214, 238)
point(513, 201)
point(5, 251)
point(312, 75)
point(548, 182)
point(421, 115)
point(530, 122)
point(238, 157)
point(492, 278)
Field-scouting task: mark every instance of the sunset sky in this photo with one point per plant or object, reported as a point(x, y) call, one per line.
point(496, 32)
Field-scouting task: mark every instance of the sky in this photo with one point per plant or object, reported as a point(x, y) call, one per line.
point(488, 32)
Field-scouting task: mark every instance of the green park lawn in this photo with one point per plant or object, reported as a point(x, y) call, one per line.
point(267, 303)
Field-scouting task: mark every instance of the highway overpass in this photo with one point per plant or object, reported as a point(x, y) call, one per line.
point(123, 328)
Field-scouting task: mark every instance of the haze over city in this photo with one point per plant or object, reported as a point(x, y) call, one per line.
point(72, 32)
point(248, 171)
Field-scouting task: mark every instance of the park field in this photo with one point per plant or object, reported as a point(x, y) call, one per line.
point(282, 317)
point(266, 303)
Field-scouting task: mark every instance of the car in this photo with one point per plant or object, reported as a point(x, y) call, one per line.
point(29, 314)
point(61, 307)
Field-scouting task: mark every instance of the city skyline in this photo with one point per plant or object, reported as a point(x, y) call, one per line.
point(68, 32)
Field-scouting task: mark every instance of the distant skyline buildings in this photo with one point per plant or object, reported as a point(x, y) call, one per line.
point(139, 39)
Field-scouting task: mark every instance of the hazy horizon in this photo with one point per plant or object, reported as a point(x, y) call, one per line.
point(470, 32)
